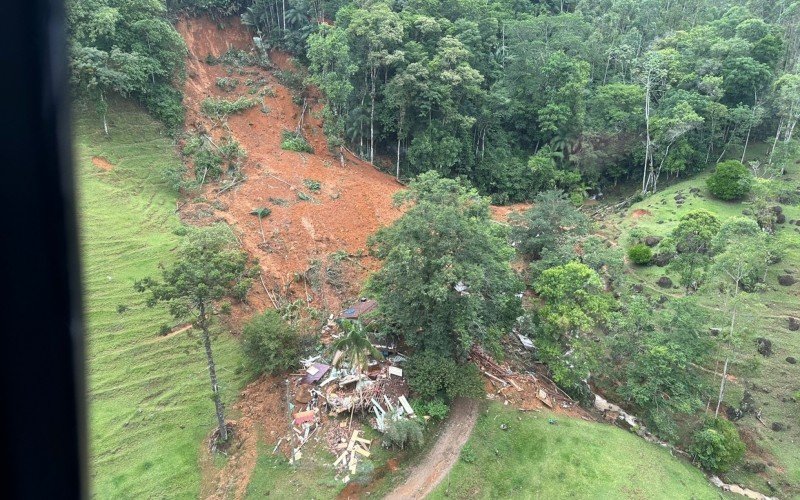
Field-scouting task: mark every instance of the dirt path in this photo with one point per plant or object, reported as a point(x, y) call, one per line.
point(441, 458)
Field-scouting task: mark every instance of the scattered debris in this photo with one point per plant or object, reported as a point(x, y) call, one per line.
point(527, 343)
point(359, 309)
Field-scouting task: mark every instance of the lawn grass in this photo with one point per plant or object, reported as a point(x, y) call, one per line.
point(149, 397)
point(761, 314)
point(571, 458)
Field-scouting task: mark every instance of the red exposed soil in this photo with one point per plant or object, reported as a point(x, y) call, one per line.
point(353, 202)
point(640, 213)
point(501, 213)
point(263, 416)
point(102, 163)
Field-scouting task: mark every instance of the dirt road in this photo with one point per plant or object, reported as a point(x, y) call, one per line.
point(441, 458)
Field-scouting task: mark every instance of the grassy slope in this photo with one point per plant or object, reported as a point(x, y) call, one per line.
point(570, 459)
point(149, 398)
point(763, 314)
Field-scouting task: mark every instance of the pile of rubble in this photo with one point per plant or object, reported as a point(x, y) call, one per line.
point(524, 390)
point(328, 389)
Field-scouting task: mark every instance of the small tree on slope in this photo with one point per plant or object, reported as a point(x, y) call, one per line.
point(209, 267)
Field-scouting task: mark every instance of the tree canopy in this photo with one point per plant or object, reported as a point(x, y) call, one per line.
point(446, 283)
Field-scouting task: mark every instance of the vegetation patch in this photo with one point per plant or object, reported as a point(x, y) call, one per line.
point(512, 454)
point(227, 84)
point(146, 420)
point(291, 141)
point(221, 108)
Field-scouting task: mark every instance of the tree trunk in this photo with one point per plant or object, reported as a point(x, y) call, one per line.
point(775, 142)
point(722, 387)
point(212, 373)
point(648, 145)
point(372, 118)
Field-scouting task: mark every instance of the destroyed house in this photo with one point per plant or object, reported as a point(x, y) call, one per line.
point(359, 309)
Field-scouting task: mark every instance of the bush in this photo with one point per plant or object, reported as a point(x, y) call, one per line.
point(270, 344)
point(207, 166)
point(432, 377)
point(312, 184)
point(640, 254)
point(295, 142)
point(221, 108)
point(403, 432)
point(718, 446)
point(730, 181)
point(166, 104)
point(436, 409)
point(227, 84)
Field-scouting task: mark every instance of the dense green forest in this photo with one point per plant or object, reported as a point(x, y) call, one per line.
point(517, 97)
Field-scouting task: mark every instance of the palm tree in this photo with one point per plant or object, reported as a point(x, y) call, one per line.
point(355, 345)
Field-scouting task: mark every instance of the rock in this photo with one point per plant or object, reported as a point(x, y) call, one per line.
point(679, 197)
point(748, 404)
point(786, 280)
point(755, 467)
point(664, 282)
point(777, 209)
point(747, 212)
point(794, 324)
point(714, 331)
point(764, 346)
point(694, 190)
point(777, 426)
point(638, 288)
point(797, 223)
point(661, 259)
point(791, 360)
point(652, 241)
point(780, 219)
point(734, 413)
point(662, 299)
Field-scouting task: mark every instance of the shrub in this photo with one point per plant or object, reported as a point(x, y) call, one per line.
point(295, 142)
point(270, 344)
point(640, 254)
point(312, 184)
point(207, 166)
point(403, 432)
point(437, 409)
point(432, 377)
point(731, 180)
point(227, 84)
point(221, 108)
point(717, 446)
point(166, 104)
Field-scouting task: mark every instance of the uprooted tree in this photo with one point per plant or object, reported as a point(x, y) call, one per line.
point(209, 267)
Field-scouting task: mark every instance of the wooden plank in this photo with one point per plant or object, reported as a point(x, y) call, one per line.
point(361, 451)
point(340, 459)
point(406, 406)
point(352, 440)
point(542, 395)
point(393, 370)
point(365, 441)
point(496, 379)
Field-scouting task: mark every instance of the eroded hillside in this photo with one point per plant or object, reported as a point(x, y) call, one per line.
point(305, 226)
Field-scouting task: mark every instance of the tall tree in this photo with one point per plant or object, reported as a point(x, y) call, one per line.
point(574, 303)
point(208, 268)
point(446, 282)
